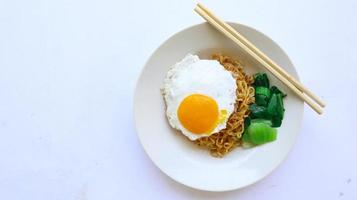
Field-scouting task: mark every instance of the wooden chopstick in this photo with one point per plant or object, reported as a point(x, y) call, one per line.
point(309, 101)
point(246, 42)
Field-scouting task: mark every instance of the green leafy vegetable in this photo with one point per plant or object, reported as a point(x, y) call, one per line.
point(275, 109)
point(265, 121)
point(280, 108)
point(276, 121)
point(247, 122)
point(246, 137)
point(261, 100)
point(262, 96)
point(275, 90)
point(257, 111)
point(262, 91)
point(266, 113)
point(273, 103)
point(261, 80)
point(260, 133)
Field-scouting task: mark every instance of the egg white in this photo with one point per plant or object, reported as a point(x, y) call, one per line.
point(194, 76)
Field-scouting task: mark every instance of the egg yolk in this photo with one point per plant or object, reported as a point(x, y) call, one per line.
point(198, 113)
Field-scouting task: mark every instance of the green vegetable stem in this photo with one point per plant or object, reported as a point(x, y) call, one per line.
point(259, 133)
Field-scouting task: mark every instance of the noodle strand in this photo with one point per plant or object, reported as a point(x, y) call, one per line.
point(221, 143)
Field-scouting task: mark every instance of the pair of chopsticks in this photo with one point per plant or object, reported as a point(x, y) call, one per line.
point(300, 90)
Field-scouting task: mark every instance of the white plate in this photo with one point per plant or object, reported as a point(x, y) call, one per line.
point(178, 157)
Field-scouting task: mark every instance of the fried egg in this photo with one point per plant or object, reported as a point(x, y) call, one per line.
point(199, 96)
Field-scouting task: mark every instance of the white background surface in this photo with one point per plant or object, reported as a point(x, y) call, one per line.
point(67, 76)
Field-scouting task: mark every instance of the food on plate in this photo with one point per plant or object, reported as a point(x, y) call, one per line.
point(266, 113)
point(216, 105)
point(259, 132)
point(199, 96)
